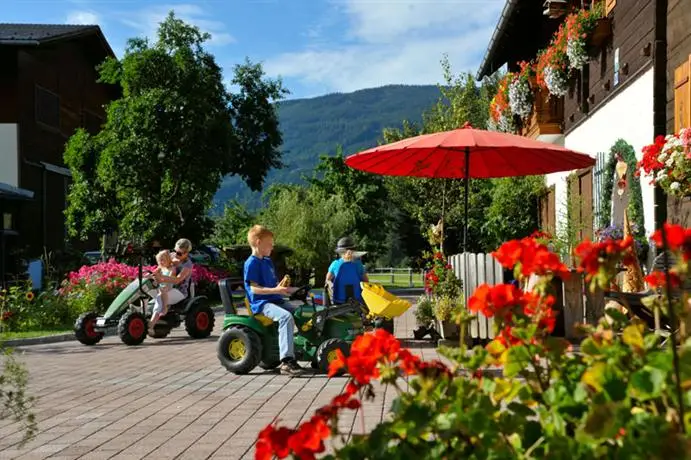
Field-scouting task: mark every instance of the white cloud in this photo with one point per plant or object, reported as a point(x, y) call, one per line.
point(394, 42)
point(146, 21)
point(378, 21)
point(83, 18)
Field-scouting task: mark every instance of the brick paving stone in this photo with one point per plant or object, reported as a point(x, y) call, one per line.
point(167, 399)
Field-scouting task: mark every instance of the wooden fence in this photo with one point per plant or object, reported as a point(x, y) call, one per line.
point(574, 303)
point(481, 268)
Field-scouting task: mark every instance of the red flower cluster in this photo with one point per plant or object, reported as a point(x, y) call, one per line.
point(650, 163)
point(367, 353)
point(7, 315)
point(595, 257)
point(657, 279)
point(531, 257)
point(678, 239)
point(554, 56)
point(500, 102)
point(507, 304)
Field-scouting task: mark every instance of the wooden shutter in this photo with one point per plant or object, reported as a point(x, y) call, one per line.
point(586, 188)
point(682, 97)
point(609, 6)
point(548, 213)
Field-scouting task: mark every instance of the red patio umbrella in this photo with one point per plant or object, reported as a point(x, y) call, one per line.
point(466, 153)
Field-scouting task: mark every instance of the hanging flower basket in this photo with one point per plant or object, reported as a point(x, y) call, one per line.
point(668, 162)
point(579, 28)
point(500, 115)
point(601, 33)
point(553, 71)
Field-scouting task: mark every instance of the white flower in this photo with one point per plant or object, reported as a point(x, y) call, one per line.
point(670, 162)
point(662, 157)
point(520, 98)
point(577, 54)
point(556, 81)
point(675, 186)
point(661, 175)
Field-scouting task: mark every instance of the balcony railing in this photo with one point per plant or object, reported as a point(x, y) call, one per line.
point(547, 116)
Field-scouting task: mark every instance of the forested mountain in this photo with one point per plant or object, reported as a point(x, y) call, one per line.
point(316, 126)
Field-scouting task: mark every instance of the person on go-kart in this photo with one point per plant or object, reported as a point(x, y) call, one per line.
point(181, 281)
point(266, 296)
point(346, 272)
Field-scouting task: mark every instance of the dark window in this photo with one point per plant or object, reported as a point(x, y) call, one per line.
point(91, 122)
point(47, 108)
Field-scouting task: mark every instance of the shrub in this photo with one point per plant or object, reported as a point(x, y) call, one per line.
point(440, 280)
point(424, 310)
point(447, 308)
point(622, 396)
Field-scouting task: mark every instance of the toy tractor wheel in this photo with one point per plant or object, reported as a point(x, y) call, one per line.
point(239, 350)
point(84, 329)
point(327, 353)
point(132, 328)
point(199, 321)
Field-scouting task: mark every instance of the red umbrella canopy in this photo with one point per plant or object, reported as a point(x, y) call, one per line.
point(491, 154)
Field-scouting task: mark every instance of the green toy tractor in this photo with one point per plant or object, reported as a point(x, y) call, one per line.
point(131, 310)
point(251, 340)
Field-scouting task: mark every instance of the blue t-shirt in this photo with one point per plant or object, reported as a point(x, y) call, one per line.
point(261, 272)
point(347, 273)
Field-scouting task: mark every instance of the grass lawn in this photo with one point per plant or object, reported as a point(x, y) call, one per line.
point(30, 334)
point(401, 280)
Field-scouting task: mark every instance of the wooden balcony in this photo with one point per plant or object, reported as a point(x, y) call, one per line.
point(547, 116)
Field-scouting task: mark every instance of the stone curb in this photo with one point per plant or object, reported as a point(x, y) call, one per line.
point(46, 339)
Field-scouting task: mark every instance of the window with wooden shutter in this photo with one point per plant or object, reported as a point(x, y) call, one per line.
point(580, 204)
point(682, 96)
point(548, 215)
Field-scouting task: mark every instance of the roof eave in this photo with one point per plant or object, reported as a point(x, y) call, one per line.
point(506, 13)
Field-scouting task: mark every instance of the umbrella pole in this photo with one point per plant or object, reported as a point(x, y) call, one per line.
point(465, 236)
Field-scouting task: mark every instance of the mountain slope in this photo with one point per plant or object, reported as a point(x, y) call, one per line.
point(316, 126)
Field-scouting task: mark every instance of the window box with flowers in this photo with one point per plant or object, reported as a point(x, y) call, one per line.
point(553, 69)
point(580, 28)
point(521, 88)
point(668, 162)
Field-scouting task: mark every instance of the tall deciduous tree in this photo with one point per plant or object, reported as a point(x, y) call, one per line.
point(170, 139)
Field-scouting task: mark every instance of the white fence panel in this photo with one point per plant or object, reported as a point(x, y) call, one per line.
point(481, 268)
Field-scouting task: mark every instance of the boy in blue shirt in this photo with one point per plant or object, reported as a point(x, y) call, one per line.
point(346, 270)
point(266, 296)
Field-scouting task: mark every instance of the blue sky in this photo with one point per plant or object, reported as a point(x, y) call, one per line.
point(316, 46)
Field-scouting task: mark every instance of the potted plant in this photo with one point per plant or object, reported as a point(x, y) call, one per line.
point(520, 91)
point(424, 318)
point(446, 309)
point(668, 162)
point(579, 27)
point(552, 65)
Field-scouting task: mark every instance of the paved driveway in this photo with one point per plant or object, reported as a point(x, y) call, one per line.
point(167, 399)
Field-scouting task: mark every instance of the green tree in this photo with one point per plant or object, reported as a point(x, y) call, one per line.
point(170, 139)
point(231, 227)
point(364, 193)
point(308, 221)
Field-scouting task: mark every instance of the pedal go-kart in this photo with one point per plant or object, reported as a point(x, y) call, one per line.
point(379, 309)
point(252, 340)
point(132, 309)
